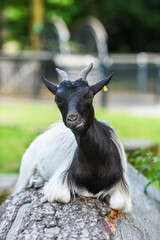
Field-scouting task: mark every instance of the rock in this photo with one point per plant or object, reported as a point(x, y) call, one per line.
point(27, 216)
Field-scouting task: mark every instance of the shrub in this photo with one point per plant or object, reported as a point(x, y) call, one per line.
point(148, 164)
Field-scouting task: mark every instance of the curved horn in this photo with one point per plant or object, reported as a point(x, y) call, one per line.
point(62, 74)
point(84, 72)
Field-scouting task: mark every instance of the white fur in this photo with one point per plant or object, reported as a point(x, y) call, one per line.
point(120, 200)
point(50, 155)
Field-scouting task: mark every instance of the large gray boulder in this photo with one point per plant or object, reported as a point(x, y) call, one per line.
point(27, 216)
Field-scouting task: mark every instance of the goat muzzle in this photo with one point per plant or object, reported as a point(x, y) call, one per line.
point(74, 121)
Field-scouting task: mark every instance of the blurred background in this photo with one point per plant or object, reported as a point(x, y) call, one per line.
point(118, 36)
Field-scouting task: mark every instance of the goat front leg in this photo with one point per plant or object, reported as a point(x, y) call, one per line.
point(120, 199)
point(56, 189)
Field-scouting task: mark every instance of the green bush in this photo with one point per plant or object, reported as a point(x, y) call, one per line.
point(148, 164)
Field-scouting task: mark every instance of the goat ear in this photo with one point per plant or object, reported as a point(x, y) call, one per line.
point(98, 86)
point(51, 86)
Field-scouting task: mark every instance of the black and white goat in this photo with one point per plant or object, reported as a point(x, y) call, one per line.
point(79, 155)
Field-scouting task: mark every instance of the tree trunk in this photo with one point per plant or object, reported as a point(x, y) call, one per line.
point(37, 15)
point(27, 216)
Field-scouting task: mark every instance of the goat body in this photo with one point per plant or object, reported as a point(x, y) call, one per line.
point(85, 157)
point(96, 165)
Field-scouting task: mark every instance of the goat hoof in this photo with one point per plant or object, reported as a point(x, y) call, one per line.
point(37, 183)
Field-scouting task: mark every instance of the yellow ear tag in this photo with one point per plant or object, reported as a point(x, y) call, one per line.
point(105, 89)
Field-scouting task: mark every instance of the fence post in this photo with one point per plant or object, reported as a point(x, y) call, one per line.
point(157, 83)
point(142, 61)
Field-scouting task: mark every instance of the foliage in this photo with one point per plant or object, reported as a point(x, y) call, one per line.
point(148, 164)
point(15, 21)
point(132, 25)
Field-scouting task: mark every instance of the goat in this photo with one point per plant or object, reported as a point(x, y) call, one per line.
point(78, 155)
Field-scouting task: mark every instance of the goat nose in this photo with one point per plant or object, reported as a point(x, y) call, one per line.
point(72, 117)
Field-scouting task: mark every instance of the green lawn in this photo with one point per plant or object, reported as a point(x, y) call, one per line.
point(21, 123)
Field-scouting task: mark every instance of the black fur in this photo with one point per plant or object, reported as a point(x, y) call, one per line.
point(96, 165)
point(75, 98)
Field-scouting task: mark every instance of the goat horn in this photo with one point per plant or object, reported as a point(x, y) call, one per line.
point(84, 72)
point(62, 74)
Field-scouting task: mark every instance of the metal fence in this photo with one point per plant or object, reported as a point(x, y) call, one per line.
point(136, 78)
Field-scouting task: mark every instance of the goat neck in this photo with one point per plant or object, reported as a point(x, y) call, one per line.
point(93, 140)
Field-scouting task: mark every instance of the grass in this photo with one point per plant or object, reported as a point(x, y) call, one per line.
point(21, 123)
point(129, 126)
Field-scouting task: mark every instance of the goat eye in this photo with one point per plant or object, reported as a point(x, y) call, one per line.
point(88, 97)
